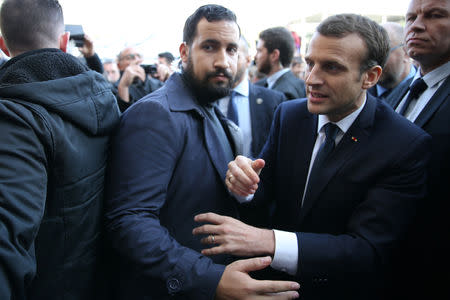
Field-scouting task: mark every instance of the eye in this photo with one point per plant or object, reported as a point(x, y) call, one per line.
point(410, 18)
point(232, 50)
point(207, 47)
point(331, 67)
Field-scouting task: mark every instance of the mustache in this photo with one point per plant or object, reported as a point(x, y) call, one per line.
point(219, 72)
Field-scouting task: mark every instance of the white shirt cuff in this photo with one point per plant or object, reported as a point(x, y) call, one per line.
point(242, 199)
point(285, 258)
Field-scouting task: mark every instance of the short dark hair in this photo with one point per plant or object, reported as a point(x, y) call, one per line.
point(211, 13)
point(374, 36)
point(31, 24)
point(279, 38)
point(168, 56)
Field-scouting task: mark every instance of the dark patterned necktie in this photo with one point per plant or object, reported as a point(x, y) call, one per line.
point(331, 130)
point(415, 90)
point(232, 113)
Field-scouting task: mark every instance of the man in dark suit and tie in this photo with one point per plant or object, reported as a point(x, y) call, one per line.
point(398, 71)
point(426, 255)
point(168, 163)
point(343, 173)
point(274, 53)
point(251, 107)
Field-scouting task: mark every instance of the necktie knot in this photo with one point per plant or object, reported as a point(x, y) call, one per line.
point(331, 130)
point(417, 88)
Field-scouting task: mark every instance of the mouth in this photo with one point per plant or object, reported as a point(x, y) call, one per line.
point(316, 97)
point(415, 40)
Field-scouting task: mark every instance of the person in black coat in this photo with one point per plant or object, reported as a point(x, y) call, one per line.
point(56, 117)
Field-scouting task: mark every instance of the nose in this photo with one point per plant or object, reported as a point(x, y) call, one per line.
point(418, 24)
point(312, 76)
point(222, 59)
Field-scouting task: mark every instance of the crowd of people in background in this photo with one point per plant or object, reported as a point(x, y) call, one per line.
point(212, 174)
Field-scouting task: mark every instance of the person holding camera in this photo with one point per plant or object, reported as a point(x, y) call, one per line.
point(134, 82)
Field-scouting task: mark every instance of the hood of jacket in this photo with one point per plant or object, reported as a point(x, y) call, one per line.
point(61, 84)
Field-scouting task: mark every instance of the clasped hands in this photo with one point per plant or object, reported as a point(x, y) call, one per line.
point(227, 235)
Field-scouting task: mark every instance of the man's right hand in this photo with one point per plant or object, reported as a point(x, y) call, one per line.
point(236, 283)
point(131, 72)
point(242, 177)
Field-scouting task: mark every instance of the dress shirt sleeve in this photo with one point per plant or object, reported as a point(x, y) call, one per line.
point(286, 252)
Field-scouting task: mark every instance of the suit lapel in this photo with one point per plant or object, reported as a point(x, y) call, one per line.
point(255, 115)
point(353, 139)
point(303, 148)
point(435, 102)
point(398, 93)
point(396, 96)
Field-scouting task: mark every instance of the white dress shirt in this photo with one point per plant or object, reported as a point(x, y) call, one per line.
point(243, 110)
point(433, 79)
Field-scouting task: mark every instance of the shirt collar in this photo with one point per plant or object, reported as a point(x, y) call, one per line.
point(343, 124)
point(435, 76)
point(274, 77)
point(242, 88)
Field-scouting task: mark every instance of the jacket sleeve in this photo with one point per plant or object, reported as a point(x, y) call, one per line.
point(23, 188)
point(144, 156)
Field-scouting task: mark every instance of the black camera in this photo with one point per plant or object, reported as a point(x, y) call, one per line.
point(76, 34)
point(150, 69)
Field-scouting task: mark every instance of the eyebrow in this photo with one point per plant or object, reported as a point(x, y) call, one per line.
point(216, 42)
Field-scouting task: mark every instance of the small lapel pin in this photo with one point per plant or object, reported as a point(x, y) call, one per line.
point(259, 101)
point(354, 139)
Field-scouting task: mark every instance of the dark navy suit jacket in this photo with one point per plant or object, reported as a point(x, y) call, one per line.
point(167, 166)
point(263, 103)
point(291, 86)
point(430, 254)
point(364, 201)
point(395, 93)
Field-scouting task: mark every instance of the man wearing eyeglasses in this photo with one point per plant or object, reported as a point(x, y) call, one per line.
point(398, 68)
point(134, 83)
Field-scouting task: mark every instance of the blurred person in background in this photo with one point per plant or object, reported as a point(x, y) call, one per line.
point(111, 71)
point(164, 66)
point(134, 82)
point(250, 106)
point(298, 67)
point(398, 68)
point(90, 57)
point(274, 53)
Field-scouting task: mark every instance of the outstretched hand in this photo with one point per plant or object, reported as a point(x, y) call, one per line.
point(232, 236)
point(242, 177)
point(236, 283)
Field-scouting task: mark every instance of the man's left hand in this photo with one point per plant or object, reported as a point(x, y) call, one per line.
point(233, 236)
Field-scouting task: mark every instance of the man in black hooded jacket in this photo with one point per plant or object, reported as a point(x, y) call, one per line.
point(56, 116)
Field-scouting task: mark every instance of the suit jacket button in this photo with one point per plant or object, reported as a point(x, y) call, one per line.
point(173, 285)
point(259, 101)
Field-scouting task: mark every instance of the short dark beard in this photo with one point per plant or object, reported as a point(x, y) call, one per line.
point(204, 91)
point(265, 67)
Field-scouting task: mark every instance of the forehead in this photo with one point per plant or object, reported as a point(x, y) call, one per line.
point(340, 49)
point(417, 6)
point(223, 31)
point(127, 51)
